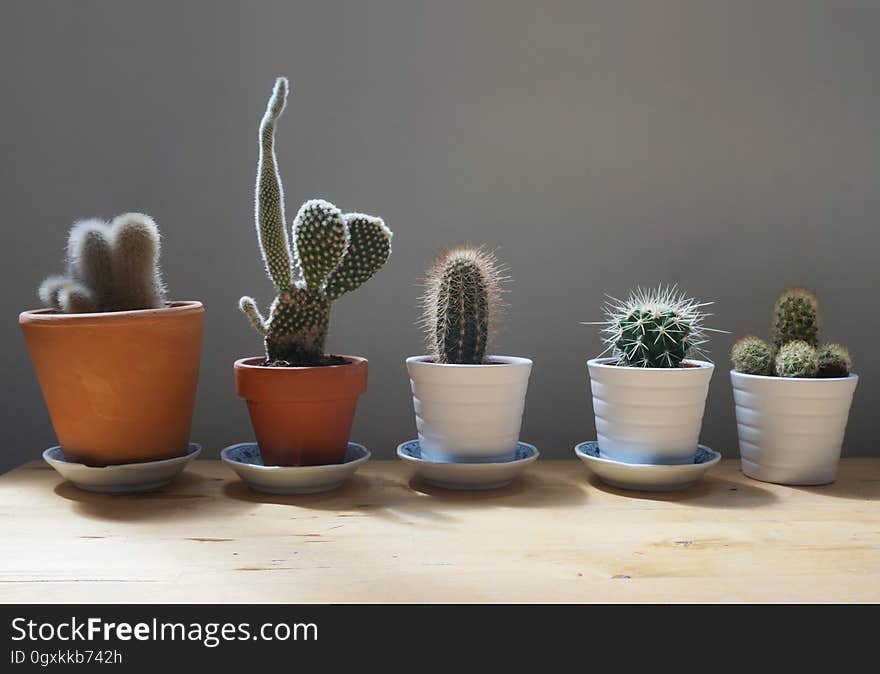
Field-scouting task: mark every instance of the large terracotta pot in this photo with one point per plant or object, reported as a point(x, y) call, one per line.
point(302, 416)
point(120, 386)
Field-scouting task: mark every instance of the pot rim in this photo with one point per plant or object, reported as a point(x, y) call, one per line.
point(851, 375)
point(54, 318)
point(606, 363)
point(496, 360)
point(251, 363)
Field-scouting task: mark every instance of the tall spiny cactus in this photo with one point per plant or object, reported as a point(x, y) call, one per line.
point(658, 327)
point(110, 267)
point(331, 253)
point(461, 303)
point(796, 317)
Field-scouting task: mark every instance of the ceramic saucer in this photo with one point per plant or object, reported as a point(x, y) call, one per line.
point(124, 478)
point(245, 460)
point(646, 477)
point(468, 476)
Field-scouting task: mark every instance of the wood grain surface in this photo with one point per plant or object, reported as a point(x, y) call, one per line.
point(555, 535)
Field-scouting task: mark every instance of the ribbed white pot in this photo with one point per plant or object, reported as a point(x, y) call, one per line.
point(791, 430)
point(649, 415)
point(469, 412)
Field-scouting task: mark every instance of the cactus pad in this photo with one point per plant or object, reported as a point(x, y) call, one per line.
point(368, 248)
point(321, 238)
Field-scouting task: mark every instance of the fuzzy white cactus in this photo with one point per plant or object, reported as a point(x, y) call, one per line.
point(110, 267)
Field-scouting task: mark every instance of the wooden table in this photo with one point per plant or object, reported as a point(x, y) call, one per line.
point(555, 535)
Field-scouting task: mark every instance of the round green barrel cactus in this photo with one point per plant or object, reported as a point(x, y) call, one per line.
point(656, 328)
point(796, 317)
point(460, 304)
point(110, 267)
point(834, 361)
point(797, 359)
point(330, 253)
point(752, 355)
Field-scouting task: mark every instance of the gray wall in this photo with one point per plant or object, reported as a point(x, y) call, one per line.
point(731, 147)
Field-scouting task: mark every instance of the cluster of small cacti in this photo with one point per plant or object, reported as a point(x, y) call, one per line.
point(794, 350)
point(461, 304)
point(110, 267)
point(331, 253)
point(658, 327)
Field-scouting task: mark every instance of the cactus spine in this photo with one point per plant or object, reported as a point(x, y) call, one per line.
point(331, 253)
point(110, 267)
point(796, 317)
point(461, 304)
point(796, 359)
point(657, 327)
point(752, 355)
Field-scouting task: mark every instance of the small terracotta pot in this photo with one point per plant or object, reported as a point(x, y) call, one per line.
point(120, 386)
point(302, 416)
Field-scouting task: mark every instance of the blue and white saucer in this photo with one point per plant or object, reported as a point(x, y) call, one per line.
point(124, 478)
point(645, 476)
point(244, 458)
point(468, 476)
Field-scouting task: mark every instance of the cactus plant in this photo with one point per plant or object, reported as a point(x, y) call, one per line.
point(796, 317)
point(752, 355)
point(794, 353)
point(656, 328)
point(110, 267)
point(461, 304)
point(796, 359)
point(331, 253)
point(834, 361)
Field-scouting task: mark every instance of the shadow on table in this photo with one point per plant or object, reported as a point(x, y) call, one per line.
point(407, 499)
point(185, 496)
point(359, 496)
point(526, 491)
point(710, 492)
point(849, 488)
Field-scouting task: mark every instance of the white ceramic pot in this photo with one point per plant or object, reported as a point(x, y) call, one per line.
point(791, 430)
point(649, 415)
point(469, 412)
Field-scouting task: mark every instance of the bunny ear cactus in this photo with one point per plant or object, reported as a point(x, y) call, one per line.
point(654, 328)
point(460, 305)
point(331, 253)
point(110, 267)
